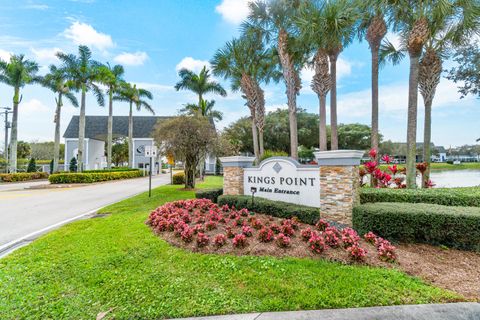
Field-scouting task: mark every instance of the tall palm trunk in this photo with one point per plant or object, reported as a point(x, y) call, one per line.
point(293, 84)
point(81, 130)
point(248, 88)
point(261, 143)
point(130, 136)
point(375, 33)
point(260, 116)
point(412, 121)
point(333, 99)
point(417, 37)
point(14, 131)
point(110, 130)
point(429, 77)
point(56, 145)
point(256, 148)
point(321, 85)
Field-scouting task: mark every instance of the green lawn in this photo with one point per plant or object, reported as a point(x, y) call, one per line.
point(116, 262)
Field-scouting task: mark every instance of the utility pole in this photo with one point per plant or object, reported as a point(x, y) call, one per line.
point(7, 126)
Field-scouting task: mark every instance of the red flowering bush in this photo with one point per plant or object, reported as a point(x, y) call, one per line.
point(292, 222)
point(240, 241)
point(179, 228)
point(244, 212)
point(356, 252)
point(317, 243)
point(246, 230)
point(202, 240)
point(386, 251)
point(287, 229)
point(239, 221)
point(330, 236)
point(230, 233)
point(198, 228)
point(161, 226)
point(265, 235)
point(275, 228)
point(349, 237)
point(322, 224)
point(187, 234)
point(211, 225)
point(220, 240)
point(370, 237)
point(283, 241)
point(306, 234)
point(257, 224)
point(186, 218)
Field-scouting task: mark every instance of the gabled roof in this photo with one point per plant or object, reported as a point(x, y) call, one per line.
point(96, 126)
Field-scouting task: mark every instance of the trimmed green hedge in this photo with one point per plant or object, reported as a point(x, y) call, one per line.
point(59, 178)
point(457, 227)
point(178, 178)
point(211, 194)
point(110, 170)
point(468, 197)
point(22, 176)
point(279, 209)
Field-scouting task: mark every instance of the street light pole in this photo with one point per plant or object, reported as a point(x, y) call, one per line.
point(7, 125)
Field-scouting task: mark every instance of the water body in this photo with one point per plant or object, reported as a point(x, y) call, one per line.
point(454, 178)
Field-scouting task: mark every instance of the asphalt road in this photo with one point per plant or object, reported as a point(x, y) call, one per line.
point(24, 212)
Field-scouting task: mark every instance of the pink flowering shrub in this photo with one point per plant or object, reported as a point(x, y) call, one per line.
point(291, 222)
point(247, 231)
point(161, 226)
point(356, 253)
point(349, 237)
point(230, 233)
point(198, 228)
point(386, 252)
point(306, 234)
point(187, 234)
point(220, 240)
point(322, 224)
point(283, 241)
point(317, 243)
point(330, 236)
point(211, 225)
point(244, 212)
point(257, 224)
point(287, 229)
point(202, 240)
point(265, 235)
point(275, 228)
point(240, 241)
point(370, 237)
point(179, 228)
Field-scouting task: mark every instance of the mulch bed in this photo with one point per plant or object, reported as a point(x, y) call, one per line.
point(455, 270)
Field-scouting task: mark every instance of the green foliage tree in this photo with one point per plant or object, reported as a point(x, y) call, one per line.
point(112, 77)
point(32, 165)
point(17, 73)
point(73, 165)
point(23, 150)
point(467, 71)
point(46, 150)
point(133, 96)
point(83, 74)
point(188, 139)
point(205, 109)
point(120, 151)
point(56, 81)
point(355, 136)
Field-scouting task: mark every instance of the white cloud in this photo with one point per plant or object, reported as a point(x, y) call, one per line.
point(46, 54)
point(84, 34)
point(154, 86)
point(36, 6)
point(233, 11)
point(192, 64)
point(5, 55)
point(394, 38)
point(132, 59)
point(33, 107)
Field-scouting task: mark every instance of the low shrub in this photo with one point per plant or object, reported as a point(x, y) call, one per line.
point(240, 241)
point(59, 178)
point(220, 240)
point(279, 209)
point(202, 240)
point(178, 178)
point(283, 241)
point(316, 243)
point(119, 169)
point(468, 197)
point(22, 176)
point(211, 194)
point(457, 227)
point(356, 252)
point(265, 235)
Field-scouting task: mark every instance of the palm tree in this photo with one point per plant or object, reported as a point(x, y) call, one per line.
point(17, 73)
point(339, 25)
point(112, 77)
point(199, 83)
point(310, 25)
point(247, 63)
point(134, 96)
point(275, 21)
point(205, 109)
point(83, 74)
point(373, 27)
point(56, 81)
point(414, 20)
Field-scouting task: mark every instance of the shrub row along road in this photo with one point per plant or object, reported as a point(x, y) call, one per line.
point(24, 212)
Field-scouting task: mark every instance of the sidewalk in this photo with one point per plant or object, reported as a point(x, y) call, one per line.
point(450, 311)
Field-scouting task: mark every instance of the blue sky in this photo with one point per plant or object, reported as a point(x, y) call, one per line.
point(153, 39)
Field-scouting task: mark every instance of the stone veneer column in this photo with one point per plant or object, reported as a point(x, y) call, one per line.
point(339, 183)
point(233, 173)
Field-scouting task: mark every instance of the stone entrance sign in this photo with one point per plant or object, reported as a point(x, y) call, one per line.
point(332, 185)
point(284, 179)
